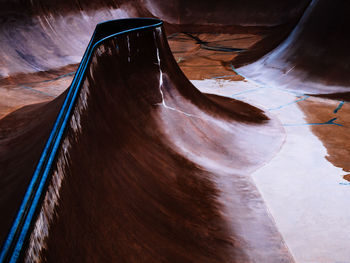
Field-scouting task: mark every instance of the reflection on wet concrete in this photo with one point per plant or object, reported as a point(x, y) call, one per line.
point(306, 194)
point(305, 185)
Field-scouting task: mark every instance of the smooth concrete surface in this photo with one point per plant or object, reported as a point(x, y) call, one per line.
point(306, 194)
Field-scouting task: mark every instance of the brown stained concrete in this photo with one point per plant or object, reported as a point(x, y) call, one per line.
point(17, 159)
point(25, 89)
point(197, 63)
point(335, 138)
point(152, 170)
point(346, 177)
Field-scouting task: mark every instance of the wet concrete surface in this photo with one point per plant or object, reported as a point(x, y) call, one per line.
point(311, 167)
point(314, 57)
point(174, 180)
point(196, 62)
point(304, 183)
point(306, 121)
point(26, 89)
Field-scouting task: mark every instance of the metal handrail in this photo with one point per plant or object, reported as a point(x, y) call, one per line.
point(14, 245)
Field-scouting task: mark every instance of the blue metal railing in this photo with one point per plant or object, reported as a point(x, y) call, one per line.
point(13, 246)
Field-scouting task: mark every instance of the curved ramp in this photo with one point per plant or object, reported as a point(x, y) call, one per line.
point(314, 59)
point(43, 35)
point(142, 167)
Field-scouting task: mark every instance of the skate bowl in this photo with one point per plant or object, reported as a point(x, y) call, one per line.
point(132, 166)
